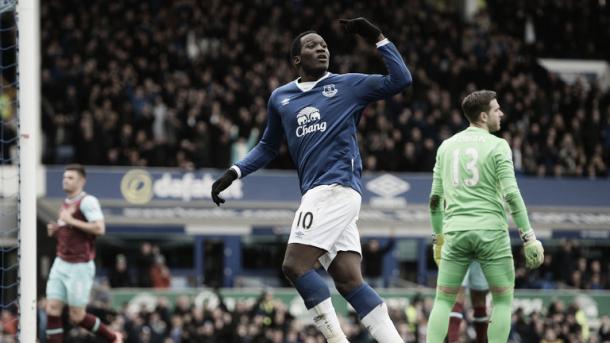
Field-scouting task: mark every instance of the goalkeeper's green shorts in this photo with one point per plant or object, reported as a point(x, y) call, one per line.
point(491, 248)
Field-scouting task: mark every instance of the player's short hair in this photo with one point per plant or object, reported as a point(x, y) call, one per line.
point(477, 102)
point(295, 48)
point(79, 168)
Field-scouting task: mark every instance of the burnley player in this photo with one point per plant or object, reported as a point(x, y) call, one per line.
point(472, 179)
point(318, 114)
point(71, 277)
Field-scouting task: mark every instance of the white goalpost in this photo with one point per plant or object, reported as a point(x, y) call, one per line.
point(28, 57)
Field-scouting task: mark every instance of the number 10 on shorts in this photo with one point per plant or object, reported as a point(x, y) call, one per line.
point(305, 220)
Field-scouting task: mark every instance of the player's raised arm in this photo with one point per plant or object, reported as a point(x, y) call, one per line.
point(263, 153)
point(376, 87)
point(534, 253)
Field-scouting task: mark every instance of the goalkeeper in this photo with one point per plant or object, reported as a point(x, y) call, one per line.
point(473, 176)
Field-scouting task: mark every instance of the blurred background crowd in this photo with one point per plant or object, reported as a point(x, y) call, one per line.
point(268, 321)
point(162, 83)
point(566, 266)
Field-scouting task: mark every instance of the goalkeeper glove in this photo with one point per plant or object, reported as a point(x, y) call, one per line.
point(221, 184)
point(362, 27)
point(437, 247)
point(532, 248)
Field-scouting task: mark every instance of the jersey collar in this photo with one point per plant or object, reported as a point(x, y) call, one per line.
point(307, 86)
point(474, 128)
point(76, 197)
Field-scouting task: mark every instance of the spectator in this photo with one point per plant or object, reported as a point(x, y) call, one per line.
point(144, 263)
point(372, 260)
point(119, 276)
point(159, 273)
point(604, 329)
point(9, 322)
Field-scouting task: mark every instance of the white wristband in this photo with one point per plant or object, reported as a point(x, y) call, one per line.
point(382, 42)
point(237, 170)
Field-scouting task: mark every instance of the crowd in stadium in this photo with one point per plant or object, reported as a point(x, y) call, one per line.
point(269, 321)
point(566, 266)
point(156, 83)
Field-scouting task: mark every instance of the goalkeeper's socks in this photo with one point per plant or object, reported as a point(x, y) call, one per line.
point(95, 325)
point(480, 323)
point(55, 329)
point(438, 322)
point(499, 328)
point(316, 296)
point(373, 313)
point(455, 321)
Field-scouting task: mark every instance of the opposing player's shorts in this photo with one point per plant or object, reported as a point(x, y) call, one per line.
point(491, 248)
point(71, 282)
point(475, 279)
point(327, 219)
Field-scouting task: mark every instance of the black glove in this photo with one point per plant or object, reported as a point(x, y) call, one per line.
point(362, 27)
point(221, 184)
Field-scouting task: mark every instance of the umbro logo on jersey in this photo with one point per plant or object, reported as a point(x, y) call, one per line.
point(308, 121)
point(329, 90)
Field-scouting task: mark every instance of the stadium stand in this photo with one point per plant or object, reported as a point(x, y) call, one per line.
point(163, 84)
point(268, 320)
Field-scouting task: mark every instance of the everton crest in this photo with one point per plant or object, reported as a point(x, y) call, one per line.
point(329, 91)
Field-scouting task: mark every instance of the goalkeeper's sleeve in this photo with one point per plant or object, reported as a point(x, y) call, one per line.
point(436, 214)
point(508, 184)
point(517, 206)
point(436, 197)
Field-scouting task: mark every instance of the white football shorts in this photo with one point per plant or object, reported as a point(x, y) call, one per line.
point(327, 219)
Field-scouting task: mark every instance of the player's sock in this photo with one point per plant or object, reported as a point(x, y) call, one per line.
point(499, 326)
point(480, 323)
point(438, 323)
point(95, 325)
point(316, 296)
point(373, 313)
point(325, 318)
point(55, 329)
point(455, 321)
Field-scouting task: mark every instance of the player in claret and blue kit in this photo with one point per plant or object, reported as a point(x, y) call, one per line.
point(80, 222)
point(318, 113)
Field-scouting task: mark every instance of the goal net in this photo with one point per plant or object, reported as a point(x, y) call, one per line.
point(19, 111)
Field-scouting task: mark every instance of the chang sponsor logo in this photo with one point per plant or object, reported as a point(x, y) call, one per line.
point(308, 121)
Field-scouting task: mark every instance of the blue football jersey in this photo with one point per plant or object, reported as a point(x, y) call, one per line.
point(321, 124)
